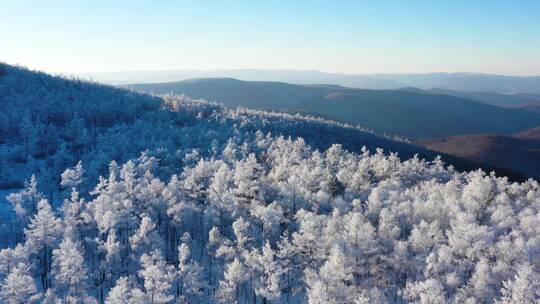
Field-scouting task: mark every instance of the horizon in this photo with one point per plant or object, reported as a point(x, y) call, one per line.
point(303, 70)
point(82, 74)
point(418, 37)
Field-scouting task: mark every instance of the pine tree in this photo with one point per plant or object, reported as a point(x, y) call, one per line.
point(78, 134)
point(190, 275)
point(10, 258)
point(524, 288)
point(111, 247)
point(146, 238)
point(247, 183)
point(126, 292)
point(68, 269)
point(25, 201)
point(158, 277)
point(19, 287)
point(229, 287)
point(72, 178)
point(268, 286)
point(73, 214)
point(241, 231)
point(42, 234)
point(360, 235)
point(428, 292)
point(334, 282)
point(30, 135)
point(214, 241)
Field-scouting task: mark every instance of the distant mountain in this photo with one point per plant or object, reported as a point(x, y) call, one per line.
point(529, 95)
point(445, 81)
point(532, 108)
point(531, 134)
point(497, 99)
point(407, 112)
point(289, 76)
point(519, 152)
point(471, 82)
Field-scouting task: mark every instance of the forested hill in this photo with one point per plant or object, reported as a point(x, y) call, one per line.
point(173, 200)
point(49, 123)
point(405, 112)
point(521, 151)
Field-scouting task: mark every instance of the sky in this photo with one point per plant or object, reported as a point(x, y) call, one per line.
point(354, 37)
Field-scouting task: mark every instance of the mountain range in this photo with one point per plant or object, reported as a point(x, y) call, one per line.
point(474, 82)
point(518, 100)
point(408, 112)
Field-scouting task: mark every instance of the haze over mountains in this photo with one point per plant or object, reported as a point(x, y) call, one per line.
point(519, 100)
point(447, 81)
point(408, 112)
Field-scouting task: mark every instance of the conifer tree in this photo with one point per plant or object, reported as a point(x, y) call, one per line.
point(42, 234)
point(19, 286)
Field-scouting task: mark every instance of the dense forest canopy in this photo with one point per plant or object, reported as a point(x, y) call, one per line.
point(173, 200)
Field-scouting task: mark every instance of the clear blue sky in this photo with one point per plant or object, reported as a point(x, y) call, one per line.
point(337, 36)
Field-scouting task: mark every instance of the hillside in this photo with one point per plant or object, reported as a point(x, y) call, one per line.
point(531, 134)
point(469, 82)
point(68, 120)
point(520, 152)
point(401, 112)
point(533, 108)
point(173, 200)
point(502, 100)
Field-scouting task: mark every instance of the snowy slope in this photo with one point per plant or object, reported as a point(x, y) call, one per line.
point(209, 205)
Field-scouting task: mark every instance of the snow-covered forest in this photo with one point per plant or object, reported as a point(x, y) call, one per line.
point(121, 197)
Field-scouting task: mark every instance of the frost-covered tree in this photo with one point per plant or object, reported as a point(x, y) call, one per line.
point(69, 270)
point(361, 239)
point(72, 177)
point(25, 201)
point(229, 287)
point(126, 292)
point(158, 278)
point(334, 281)
point(524, 288)
point(74, 216)
point(247, 183)
point(268, 285)
point(42, 235)
point(190, 275)
point(145, 239)
point(241, 231)
point(10, 258)
point(427, 292)
point(19, 286)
